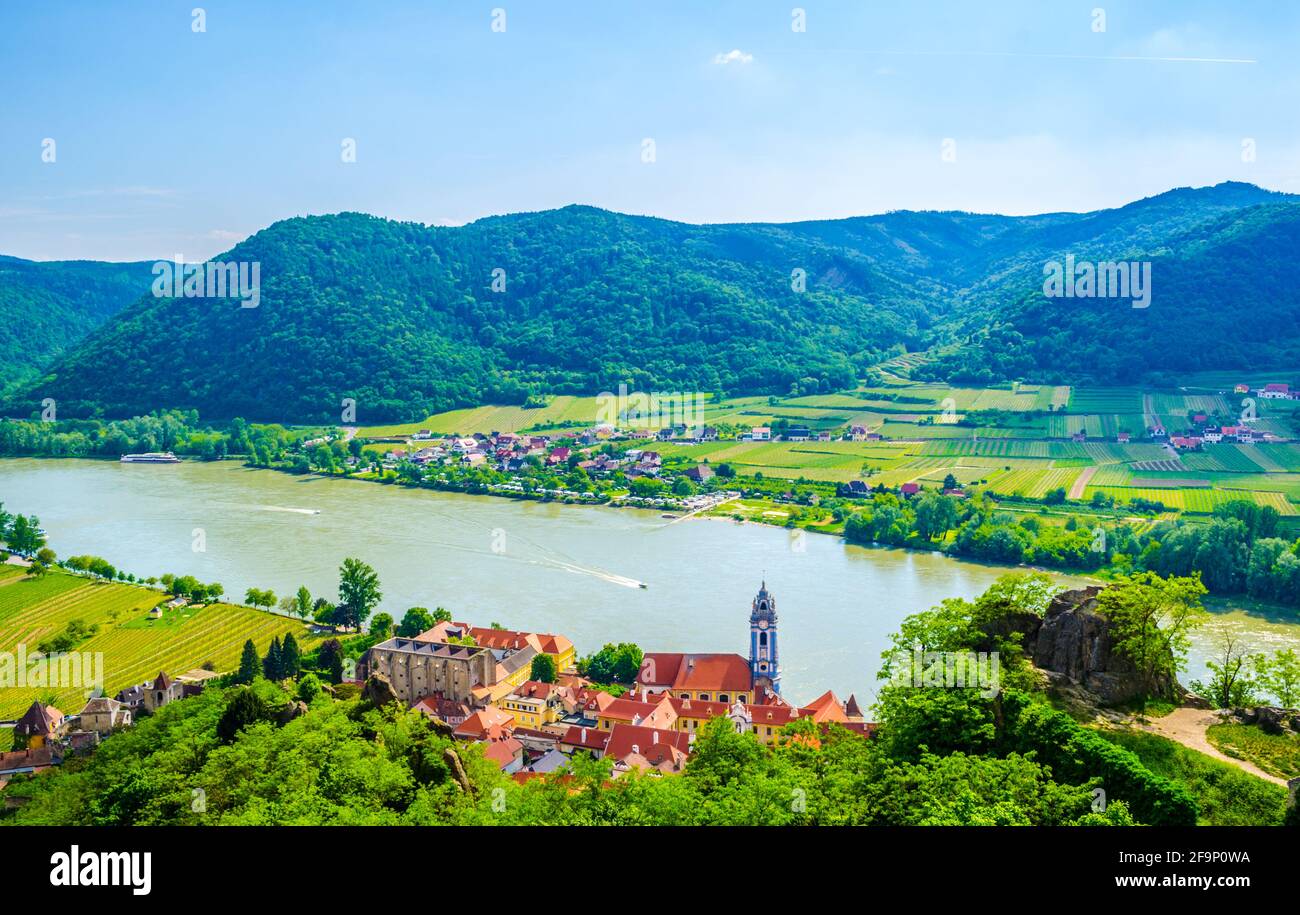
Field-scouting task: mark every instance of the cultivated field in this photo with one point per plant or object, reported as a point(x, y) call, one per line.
point(135, 648)
point(1014, 439)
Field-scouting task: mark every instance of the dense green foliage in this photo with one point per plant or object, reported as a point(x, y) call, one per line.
point(1225, 796)
point(47, 307)
point(1207, 282)
point(173, 430)
point(225, 758)
point(409, 320)
point(1076, 754)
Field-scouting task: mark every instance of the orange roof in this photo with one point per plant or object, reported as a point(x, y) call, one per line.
point(629, 709)
point(826, 707)
point(707, 672)
point(594, 700)
point(654, 744)
point(503, 638)
point(503, 752)
point(554, 644)
point(699, 709)
point(773, 716)
point(442, 632)
point(586, 738)
point(481, 723)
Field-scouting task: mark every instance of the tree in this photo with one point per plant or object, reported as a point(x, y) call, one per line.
point(1230, 683)
point(1016, 592)
point(415, 621)
point(245, 708)
point(302, 602)
point(358, 593)
point(256, 597)
point(613, 664)
point(543, 669)
point(935, 515)
point(1150, 620)
point(290, 656)
point(381, 626)
point(330, 660)
point(46, 556)
point(250, 665)
point(1279, 676)
point(273, 663)
point(309, 688)
point(25, 536)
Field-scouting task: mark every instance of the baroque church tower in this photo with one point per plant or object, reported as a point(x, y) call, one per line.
point(764, 662)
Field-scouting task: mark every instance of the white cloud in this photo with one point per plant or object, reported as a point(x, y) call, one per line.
point(734, 56)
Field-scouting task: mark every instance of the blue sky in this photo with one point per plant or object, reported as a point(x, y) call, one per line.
point(170, 141)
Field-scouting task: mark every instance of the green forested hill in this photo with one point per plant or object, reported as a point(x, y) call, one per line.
point(47, 307)
point(404, 319)
point(1225, 295)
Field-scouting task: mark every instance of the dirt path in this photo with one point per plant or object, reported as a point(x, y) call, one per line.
point(1081, 483)
point(1187, 726)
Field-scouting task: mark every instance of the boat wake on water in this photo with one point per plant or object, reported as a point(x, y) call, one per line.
point(610, 577)
point(281, 508)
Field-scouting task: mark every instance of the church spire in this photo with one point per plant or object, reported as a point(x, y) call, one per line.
point(764, 662)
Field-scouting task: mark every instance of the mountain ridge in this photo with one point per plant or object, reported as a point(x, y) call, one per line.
point(404, 318)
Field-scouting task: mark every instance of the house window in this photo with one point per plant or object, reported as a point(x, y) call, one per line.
point(722, 697)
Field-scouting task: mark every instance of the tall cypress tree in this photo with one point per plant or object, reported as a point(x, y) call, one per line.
point(291, 656)
point(249, 663)
point(273, 663)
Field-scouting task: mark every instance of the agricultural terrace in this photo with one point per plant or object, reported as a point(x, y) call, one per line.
point(1015, 439)
point(135, 647)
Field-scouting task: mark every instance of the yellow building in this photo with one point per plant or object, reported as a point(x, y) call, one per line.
point(533, 705)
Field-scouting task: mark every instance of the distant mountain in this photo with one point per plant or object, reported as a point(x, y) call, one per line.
point(46, 307)
point(405, 319)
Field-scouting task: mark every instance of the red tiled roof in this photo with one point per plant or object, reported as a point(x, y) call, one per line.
point(698, 708)
point(629, 709)
point(40, 758)
point(503, 752)
point(586, 738)
point(706, 672)
point(654, 744)
point(772, 716)
point(826, 707)
point(482, 723)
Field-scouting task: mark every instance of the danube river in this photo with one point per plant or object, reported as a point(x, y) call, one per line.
point(527, 565)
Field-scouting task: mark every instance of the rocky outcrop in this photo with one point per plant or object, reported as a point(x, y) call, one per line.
point(440, 727)
point(378, 691)
point(457, 769)
point(1271, 719)
point(291, 711)
point(1074, 646)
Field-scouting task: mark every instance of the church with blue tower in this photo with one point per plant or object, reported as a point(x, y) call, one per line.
point(764, 661)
